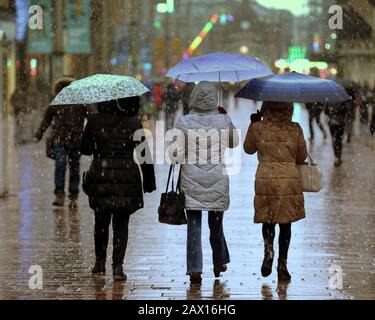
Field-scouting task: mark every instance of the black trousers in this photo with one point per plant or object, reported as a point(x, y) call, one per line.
point(337, 132)
point(315, 115)
point(120, 224)
point(284, 238)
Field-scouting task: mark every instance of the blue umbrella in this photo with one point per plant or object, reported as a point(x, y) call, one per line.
point(294, 87)
point(219, 67)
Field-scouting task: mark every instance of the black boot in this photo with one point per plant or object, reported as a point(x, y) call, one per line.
point(118, 274)
point(219, 269)
point(269, 255)
point(282, 270)
point(99, 268)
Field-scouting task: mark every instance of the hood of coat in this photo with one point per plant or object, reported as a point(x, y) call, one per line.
point(61, 84)
point(277, 111)
point(204, 98)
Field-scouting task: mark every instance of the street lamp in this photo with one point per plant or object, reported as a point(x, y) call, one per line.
point(166, 8)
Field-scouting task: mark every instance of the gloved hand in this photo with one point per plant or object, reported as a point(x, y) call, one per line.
point(256, 117)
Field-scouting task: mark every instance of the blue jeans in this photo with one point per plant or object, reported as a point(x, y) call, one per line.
point(65, 155)
point(220, 253)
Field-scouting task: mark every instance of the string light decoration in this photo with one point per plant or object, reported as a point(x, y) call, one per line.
point(203, 34)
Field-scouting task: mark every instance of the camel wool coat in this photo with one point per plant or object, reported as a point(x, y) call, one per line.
point(280, 145)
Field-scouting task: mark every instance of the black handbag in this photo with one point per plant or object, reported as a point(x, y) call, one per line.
point(172, 203)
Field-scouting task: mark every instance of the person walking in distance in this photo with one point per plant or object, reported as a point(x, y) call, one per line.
point(279, 199)
point(315, 111)
point(67, 127)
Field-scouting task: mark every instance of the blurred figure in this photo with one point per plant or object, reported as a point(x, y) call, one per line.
point(185, 96)
point(279, 198)
point(67, 127)
point(158, 94)
point(19, 103)
point(350, 116)
point(338, 115)
point(365, 99)
point(171, 99)
point(315, 111)
point(113, 182)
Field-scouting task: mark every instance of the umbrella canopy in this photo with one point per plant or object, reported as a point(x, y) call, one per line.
point(294, 87)
point(100, 88)
point(219, 67)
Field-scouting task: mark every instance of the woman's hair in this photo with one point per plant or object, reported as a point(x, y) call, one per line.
point(127, 106)
point(277, 111)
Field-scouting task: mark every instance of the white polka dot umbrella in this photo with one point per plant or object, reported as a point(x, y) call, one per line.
point(99, 88)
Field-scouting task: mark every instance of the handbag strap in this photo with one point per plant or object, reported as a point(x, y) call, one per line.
point(171, 176)
point(311, 161)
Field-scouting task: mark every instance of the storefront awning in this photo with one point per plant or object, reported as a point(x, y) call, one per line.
point(355, 27)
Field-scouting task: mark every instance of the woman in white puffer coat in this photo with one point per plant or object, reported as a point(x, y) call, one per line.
point(204, 179)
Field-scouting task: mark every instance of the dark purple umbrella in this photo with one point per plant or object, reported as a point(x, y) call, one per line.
point(293, 87)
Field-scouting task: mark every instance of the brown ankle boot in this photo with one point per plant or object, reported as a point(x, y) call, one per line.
point(195, 278)
point(73, 203)
point(282, 270)
point(269, 255)
point(59, 201)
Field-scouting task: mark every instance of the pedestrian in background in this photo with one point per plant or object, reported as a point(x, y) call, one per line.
point(205, 185)
point(337, 120)
point(279, 199)
point(113, 183)
point(315, 111)
point(63, 144)
point(171, 99)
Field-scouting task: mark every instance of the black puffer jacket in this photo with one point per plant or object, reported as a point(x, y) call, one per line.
point(114, 179)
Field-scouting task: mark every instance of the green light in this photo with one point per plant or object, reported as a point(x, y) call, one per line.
point(9, 63)
point(166, 7)
point(161, 7)
point(208, 27)
point(33, 63)
point(223, 19)
point(157, 24)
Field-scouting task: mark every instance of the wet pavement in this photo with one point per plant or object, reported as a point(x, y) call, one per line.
point(338, 232)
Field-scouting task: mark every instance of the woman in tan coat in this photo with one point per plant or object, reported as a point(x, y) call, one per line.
point(279, 196)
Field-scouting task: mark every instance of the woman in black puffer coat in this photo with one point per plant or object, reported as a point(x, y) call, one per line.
point(113, 183)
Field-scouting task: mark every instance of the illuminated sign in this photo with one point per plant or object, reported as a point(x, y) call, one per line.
point(296, 53)
point(166, 7)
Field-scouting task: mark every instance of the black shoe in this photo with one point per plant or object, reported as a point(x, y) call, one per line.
point(269, 255)
point(219, 269)
point(282, 271)
point(338, 163)
point(118, 274)
point(99, 268)
point(195, 278)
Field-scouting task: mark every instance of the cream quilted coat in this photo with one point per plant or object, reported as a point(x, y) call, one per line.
point(206, 186)
point(280, 145)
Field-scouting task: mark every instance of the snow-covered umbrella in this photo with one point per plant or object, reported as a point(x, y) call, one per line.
point(219, 67)
point(99, 88)
point(294, 87)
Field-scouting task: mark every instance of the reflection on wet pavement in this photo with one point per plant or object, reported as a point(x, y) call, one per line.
point(338, 232)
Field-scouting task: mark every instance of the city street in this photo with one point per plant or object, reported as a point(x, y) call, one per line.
point(338, 232)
